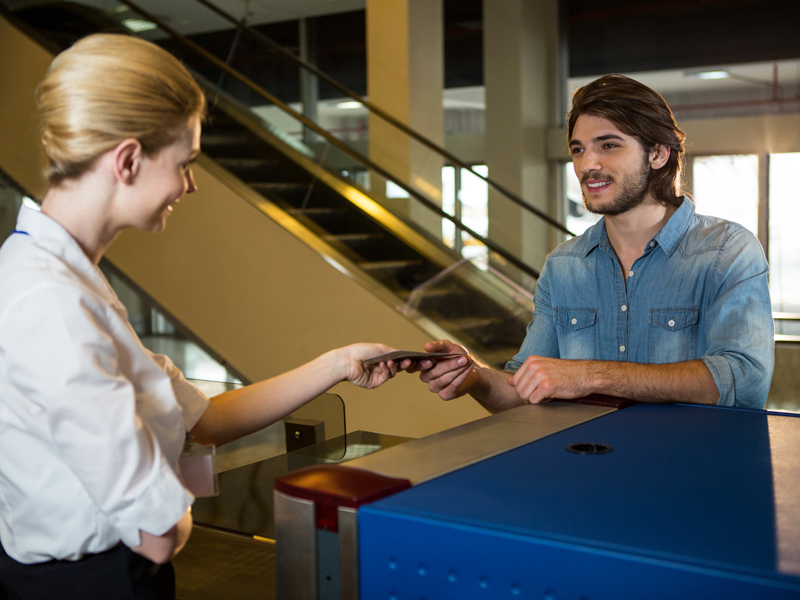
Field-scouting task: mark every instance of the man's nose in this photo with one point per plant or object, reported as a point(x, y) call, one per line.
point(590, 161)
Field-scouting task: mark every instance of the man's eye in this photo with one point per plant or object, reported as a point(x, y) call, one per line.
point(576, 150)
point(609, 146)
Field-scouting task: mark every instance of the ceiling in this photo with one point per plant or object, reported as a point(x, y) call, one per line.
point(176, 12)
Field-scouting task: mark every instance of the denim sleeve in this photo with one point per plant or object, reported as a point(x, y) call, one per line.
point(541, 338)
point(739, 328)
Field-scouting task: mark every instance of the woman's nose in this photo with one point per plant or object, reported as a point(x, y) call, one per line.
point(191, 184)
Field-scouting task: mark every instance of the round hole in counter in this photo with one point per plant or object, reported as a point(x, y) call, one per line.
point(589, 448)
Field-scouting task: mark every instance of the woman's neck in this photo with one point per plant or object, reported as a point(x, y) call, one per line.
point(82, 206)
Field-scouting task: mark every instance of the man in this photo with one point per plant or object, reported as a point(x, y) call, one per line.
point(654, 302)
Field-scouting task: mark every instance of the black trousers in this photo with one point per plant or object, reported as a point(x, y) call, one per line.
point(117, 574)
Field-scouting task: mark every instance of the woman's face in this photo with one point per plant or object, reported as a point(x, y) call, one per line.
point(166, 178)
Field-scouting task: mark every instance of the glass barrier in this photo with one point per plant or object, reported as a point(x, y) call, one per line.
point(246, 468)
point(312, 424)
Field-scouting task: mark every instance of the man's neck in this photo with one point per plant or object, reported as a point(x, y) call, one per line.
point(630, 231)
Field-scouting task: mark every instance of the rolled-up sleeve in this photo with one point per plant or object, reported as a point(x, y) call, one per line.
point(88, 410)
point(739, 332)
point(540, 338)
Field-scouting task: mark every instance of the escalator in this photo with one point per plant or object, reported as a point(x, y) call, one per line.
point(328, 187)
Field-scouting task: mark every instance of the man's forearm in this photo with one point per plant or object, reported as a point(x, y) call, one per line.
point(490, 388)
point(688, 381)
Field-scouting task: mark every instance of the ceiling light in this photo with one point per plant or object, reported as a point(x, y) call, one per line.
point(349, 104)
point(707, 74)
point(138, 25)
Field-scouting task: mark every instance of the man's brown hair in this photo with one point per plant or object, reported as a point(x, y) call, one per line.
point(638, 111)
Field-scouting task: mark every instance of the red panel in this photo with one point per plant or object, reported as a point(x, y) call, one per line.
point(332, 486)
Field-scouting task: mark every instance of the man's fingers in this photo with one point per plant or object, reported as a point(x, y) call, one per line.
point(438, 382)
point(451, 391)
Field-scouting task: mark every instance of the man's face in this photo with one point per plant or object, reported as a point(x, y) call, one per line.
point(612, 167)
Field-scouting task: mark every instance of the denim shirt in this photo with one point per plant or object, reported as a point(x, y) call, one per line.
point(699, 291)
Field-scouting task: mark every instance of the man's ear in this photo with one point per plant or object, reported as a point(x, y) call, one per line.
point(659, 156)
point(127, 160)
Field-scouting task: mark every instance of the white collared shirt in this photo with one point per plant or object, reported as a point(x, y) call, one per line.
point(91, 423)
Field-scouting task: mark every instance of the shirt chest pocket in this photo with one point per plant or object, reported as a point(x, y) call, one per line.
point(577, 333)
point(672, 334)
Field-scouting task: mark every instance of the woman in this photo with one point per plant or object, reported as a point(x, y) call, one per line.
point(91, 423)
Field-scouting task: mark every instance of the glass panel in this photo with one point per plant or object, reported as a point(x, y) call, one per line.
point(325, 413)
point(492, 326)
point(578, 218)
point(784, 243)
point(727, 187)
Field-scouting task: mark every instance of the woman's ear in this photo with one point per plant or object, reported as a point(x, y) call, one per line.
point(127, 160)
point(659, 156)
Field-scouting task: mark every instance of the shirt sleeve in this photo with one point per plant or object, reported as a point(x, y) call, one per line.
point(541, 338)
point(191, 399)
point(66, 366)
point(740, 332)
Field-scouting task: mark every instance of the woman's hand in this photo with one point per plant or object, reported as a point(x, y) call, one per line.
point(372, 375)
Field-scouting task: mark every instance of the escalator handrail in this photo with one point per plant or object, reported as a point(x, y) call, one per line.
point(384, 115)
point(333, 140)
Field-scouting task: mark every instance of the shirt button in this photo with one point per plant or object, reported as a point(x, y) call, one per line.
point(671, 323)
point(574, 321)
point(630, 273)
point(652, 244)
point(624, 308)
point(622, 348)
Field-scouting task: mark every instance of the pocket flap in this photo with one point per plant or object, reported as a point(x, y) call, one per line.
point(575, 317)
point(673, 319)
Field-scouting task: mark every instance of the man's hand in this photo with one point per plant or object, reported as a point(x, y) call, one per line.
point(541, 379)
point(446, 377)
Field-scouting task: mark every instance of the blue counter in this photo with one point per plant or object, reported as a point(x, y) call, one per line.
point(699, 502)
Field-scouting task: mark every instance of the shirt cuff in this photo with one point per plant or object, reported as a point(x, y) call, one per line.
point(157, 511)
point(722, 373)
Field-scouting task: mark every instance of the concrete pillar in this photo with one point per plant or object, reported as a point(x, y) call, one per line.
point(405, 77)
point(521, 79)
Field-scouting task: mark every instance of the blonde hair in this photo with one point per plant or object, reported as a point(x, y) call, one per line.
point(107, 88)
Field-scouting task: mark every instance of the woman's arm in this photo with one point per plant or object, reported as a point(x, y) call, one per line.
point(240, 412)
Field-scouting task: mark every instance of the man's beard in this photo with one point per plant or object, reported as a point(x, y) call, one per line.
point(631, 194)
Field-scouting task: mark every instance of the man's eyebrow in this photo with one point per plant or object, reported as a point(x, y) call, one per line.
point(608, 136)
point(599, 138)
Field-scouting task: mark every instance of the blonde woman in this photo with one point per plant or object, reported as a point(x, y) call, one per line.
point(91, 423)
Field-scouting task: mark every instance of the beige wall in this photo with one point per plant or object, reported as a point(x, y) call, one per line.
point(22, 65)
point(255, 293)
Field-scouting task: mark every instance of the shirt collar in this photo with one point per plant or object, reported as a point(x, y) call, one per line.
point(53, 238)
point(670, 236)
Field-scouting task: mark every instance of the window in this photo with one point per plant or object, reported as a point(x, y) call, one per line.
point(784, 243)
point(466, 196)
point(727, 187)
